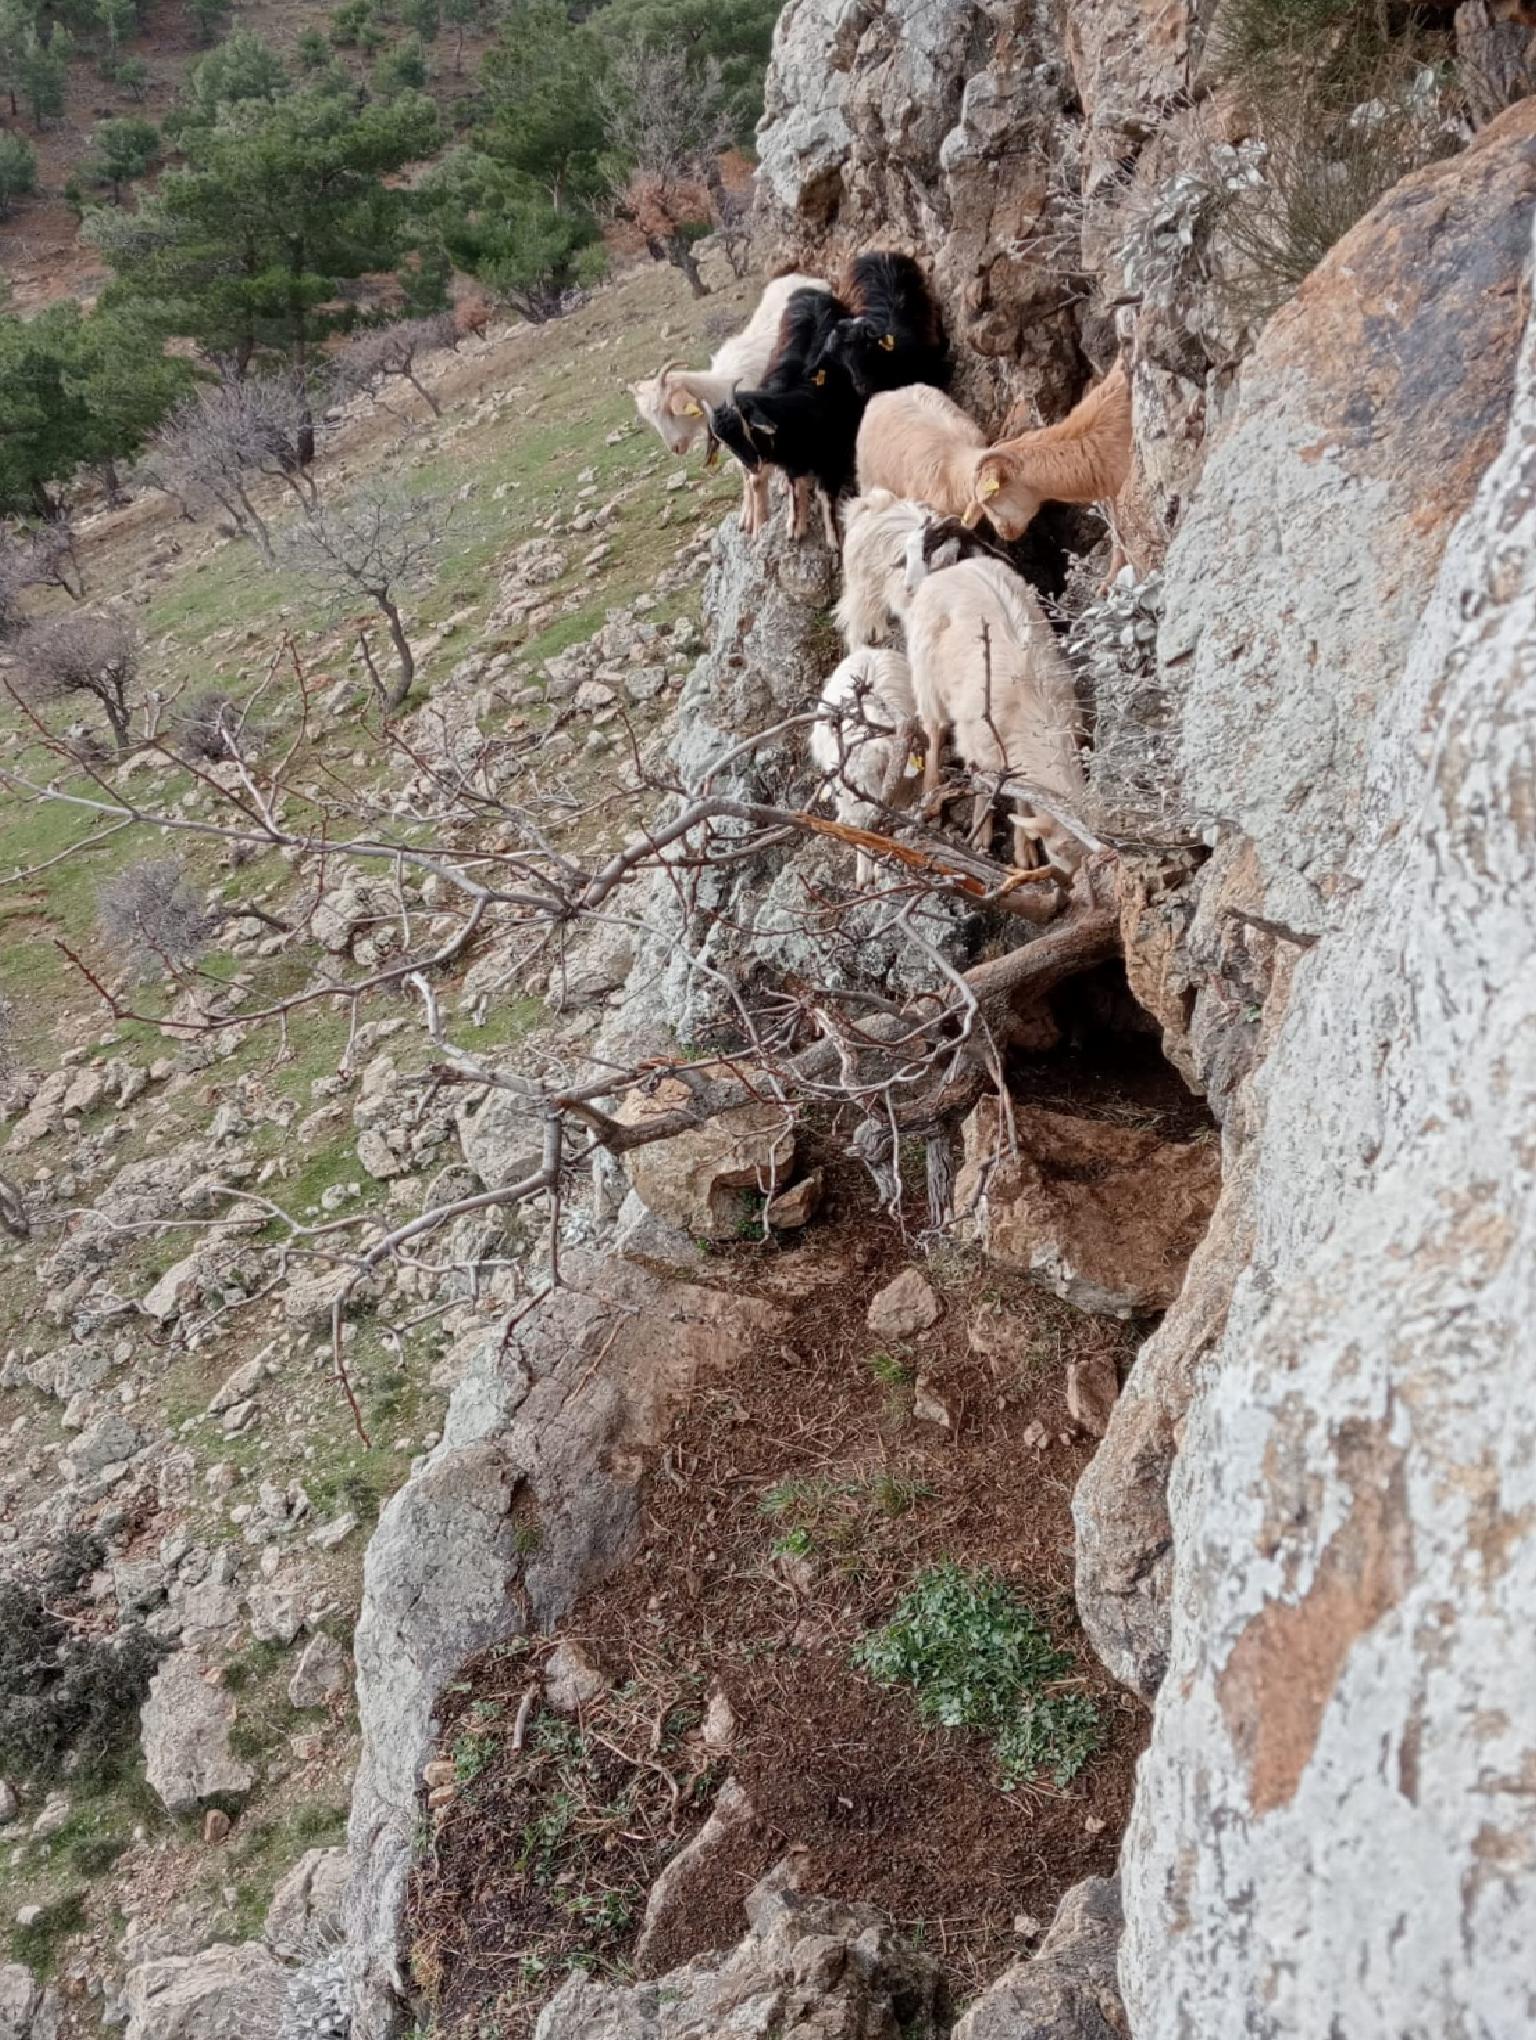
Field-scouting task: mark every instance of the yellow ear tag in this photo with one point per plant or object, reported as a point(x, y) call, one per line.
point(819, 377)
point(973, 516)
point(914, 764)
point(888, 342)
point(991, 487)
point(692, 411)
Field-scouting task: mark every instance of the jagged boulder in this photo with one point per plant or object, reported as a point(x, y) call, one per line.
point(1104, 1215)
point(186, 1722)
point(231, 1991)
point(701, 1181)
point(808, 1969)
point(1068, 1990)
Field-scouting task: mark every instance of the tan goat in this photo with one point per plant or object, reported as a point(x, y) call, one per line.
point(676, 400)
point(918, 443)
point(986, 667)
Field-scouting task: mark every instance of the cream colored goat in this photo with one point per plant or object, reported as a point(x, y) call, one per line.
point(863, 739)
point(918, 443)
point(976, 620)
point(882, 564)
point(676, 401)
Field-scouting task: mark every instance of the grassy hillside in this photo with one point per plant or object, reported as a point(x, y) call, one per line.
point(537, 432)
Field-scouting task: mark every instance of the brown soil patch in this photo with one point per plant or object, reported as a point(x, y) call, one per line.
point(765, 1602)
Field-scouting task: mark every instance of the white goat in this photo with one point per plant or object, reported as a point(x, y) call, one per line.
point(882, 564)
point(986, 666)
point(677, 400)
point(862, 741)
point(917, 442)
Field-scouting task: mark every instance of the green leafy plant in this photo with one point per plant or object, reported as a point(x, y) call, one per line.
point(978, 1658)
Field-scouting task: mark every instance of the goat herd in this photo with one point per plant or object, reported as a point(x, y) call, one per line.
point(847, 385)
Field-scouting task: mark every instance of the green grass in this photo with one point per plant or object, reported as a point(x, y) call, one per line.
point(977, 1657)
point(39, 1945)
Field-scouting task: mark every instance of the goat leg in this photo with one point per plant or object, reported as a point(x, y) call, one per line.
point(829, 521)
point(799, 505)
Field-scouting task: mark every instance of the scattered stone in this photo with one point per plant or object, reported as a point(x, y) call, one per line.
point(572, 1679)
point(327, 1536)
point(10, 1803)
point(718, 1731)
point(177, 1287)
point(54, 1816)
point(796, 1207)
point(277, 1613)
point(216, 1825)
point(108, 1442)
point(320, 1674)
point(905, 1306)
point(696, 1181)
point(379, 1158)
point(1093, 1389)
point(185, 1725)
point(239, 1388)
point(928, 1405)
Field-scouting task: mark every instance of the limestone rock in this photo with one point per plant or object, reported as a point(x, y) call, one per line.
point(185, 1731)
point(1093, 1389)
point(28, 2010)
point(572, 1680)
point(808, 1969)
point(1102, 1214)
point(794, 1208)
point(1344, 1585)
point(232, 1991)
point(1393, 362)
point(691, 1870)
point(304, 1918)
point(320, 1674)
point(1068, 1991)
point(906, 1306)
point(502, 1139)
point(696, 1180)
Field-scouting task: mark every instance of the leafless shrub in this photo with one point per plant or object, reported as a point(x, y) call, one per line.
point(666, 126)
point(372, 356)
point(154, 917)
point(94, 653)
point(38, 559)
point(1322, 170)
point(211, 729)
point(377, 546)
point(226, 437)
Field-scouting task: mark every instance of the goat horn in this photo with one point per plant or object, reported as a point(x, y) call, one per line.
point(663, 372)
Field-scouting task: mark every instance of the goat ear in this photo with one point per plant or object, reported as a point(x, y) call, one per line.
point(681, 405)
point(756, 420)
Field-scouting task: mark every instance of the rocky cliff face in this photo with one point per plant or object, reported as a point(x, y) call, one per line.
point(1308, 1530)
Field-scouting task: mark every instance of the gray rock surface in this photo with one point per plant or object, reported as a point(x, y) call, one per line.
point(185, 1731)
point(231, 1991)
point(1066, 1991)
point(808, 1969)
point(304, 1919)
point(1324, 1837)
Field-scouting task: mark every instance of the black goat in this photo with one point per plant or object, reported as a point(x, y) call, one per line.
point(893, 332)
point(804, 416)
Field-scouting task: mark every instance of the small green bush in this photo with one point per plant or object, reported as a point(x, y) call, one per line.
point(976, 1657)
